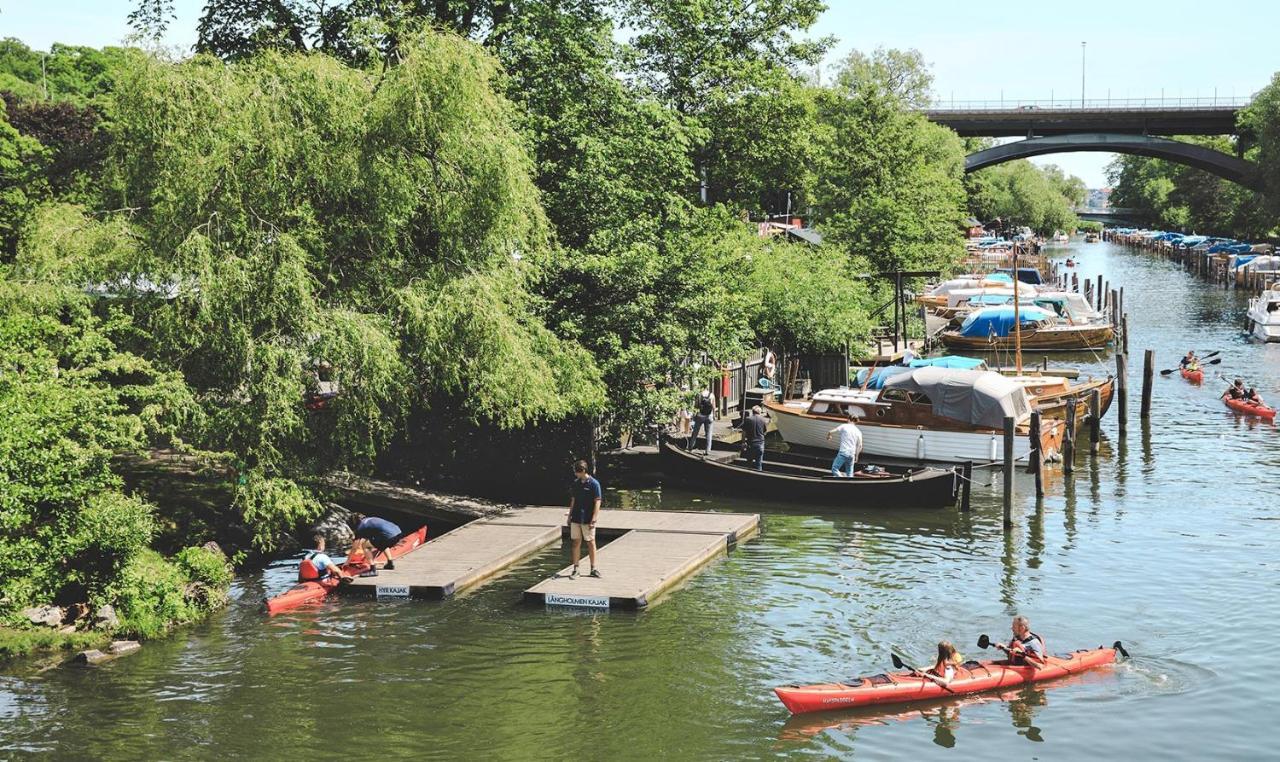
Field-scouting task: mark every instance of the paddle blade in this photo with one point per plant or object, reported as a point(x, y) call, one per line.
point(1167, 372)
point(984, 641)
point(897, 663)
point(1120, 649)
point(1214, 361)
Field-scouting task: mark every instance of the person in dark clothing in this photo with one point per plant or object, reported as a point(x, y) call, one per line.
point(584, 512)
point(1236, 391)
point(704, 409)
point(374, 535)
point(753, 431)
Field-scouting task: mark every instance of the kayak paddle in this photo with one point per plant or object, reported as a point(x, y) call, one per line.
point(1214, 361)
point(900, 664)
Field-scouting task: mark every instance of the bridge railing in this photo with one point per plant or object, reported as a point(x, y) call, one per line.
point(1092, 104)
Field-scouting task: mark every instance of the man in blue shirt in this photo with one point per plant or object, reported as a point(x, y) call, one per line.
point(584, 511)
point(374, 534)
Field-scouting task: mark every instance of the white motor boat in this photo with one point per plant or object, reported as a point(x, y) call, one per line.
point(1264, 315)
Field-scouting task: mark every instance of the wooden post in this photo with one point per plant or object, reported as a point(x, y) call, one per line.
point(1035, 459)
point(966, 477)
point(1069, 437)
point(1095, 425)
point(1124, 330)
point(1122, 392)
point(1098, 294)
point(1008, 472)
point(1148, 373)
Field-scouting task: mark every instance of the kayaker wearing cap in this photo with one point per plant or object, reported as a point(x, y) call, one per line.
point(1026, 646)
point(1235, 391)
point(374, 535)
point(317, 565)
point(753, 431)
point(944, 669)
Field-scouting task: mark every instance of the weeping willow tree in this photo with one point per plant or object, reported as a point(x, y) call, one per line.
point(287, 219)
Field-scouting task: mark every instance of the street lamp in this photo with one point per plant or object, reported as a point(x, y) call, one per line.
point(1082, 44)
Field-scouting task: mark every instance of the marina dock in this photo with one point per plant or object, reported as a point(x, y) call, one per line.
point(652, 552)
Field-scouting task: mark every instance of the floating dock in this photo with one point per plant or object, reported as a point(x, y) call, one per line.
point(653, 551)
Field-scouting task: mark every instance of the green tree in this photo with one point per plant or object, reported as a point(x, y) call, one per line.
point(1020, 193)
point(22, 184)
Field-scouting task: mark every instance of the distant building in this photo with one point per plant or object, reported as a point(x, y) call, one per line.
point(974, 228)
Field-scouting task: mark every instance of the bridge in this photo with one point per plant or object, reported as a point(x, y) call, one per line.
point(1117, 126)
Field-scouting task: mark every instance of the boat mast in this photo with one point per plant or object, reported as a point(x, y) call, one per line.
point(1017, 322)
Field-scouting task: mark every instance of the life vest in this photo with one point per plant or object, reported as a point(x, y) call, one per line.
point(308, 571)
point(1044, 649)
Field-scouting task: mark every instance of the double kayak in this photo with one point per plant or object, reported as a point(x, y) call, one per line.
point(1250, 408)
point(309, 592)
point(971, 677)
point(1194, 376)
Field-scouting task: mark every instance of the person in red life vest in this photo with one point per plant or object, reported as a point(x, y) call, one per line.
point(374, 535)
point(317, 565)
point(1026, 647)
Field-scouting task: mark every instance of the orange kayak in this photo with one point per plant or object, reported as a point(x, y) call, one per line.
point(901, 687)
point(1250, 408)
point(1194, 376)
point(309, 592)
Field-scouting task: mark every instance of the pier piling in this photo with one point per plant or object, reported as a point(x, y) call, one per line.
point(1148, 373)
point(967, 482)
point(1095, 427)
point(1008, 472)
point(1035, 462)
point(1069, 437)
point(1122, 392)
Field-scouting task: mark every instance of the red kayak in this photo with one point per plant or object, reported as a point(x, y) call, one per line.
point(1194, 376)
point(1250, 408)
point(901, 687)
point(308, 592)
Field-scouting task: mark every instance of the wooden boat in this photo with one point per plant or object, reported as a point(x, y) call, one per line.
point(926, 414)
point(991, 330)
point(1051, 395)
point(792, 476)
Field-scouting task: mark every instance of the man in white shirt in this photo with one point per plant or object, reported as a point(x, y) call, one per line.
point(850, 447)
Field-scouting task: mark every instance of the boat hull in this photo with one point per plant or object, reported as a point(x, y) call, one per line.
point(904, 442)
point(902, 687)
point(1263, 331)
point(311, 592)
point(922, 488)
point(1053, 339)
point(1240, 406)
point(1194, 376)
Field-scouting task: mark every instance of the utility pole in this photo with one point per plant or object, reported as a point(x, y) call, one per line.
point(1082, 47)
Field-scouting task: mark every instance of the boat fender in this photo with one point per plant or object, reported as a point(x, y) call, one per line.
point(920, 447)
point(994, 455)
point(307, 571)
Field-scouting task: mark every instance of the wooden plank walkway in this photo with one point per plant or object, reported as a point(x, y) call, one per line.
point(637, 568)
point(457, 560)
point(735, 525)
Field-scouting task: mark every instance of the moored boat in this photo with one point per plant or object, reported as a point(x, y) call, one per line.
point(1264, 315)
point(970, 677)
point(923, 414)
point(992, 329)
point(310, 592)
point(1195, 376)
point(789, 476)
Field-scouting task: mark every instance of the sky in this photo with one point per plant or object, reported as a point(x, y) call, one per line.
point(977, 51)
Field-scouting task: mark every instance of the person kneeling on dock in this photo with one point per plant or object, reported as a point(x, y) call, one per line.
point(374, 535)
point(317, 565)
point(584, 512)
point(850, 447)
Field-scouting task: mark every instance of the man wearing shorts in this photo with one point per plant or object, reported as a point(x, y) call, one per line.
point(584, 511)
point(374, 535)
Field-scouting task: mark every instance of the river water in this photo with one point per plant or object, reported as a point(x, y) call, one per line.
point(1167, 541)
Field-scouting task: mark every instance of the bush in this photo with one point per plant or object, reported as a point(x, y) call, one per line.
point(152, 594)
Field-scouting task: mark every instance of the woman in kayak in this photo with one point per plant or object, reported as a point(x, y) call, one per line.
point(944, 669)
point(1251, 395)
point(1191, 362)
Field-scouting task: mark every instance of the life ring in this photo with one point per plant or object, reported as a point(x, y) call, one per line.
point(770, 363)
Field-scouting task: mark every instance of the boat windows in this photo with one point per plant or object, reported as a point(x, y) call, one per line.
point(819, 408)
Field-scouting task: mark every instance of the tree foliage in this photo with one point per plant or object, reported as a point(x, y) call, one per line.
point(1021, 193)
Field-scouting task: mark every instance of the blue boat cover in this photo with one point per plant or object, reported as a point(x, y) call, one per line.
point(1002, 277)
point(878, 375)
point(949, 361)
point(998, 321)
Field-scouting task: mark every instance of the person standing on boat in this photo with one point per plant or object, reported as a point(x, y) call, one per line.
point(704, 414)
point(584, 512)
point(753, 431)
point(849, 449)
point(908, 355)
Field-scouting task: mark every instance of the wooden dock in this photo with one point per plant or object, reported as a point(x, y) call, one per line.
point(653, 551)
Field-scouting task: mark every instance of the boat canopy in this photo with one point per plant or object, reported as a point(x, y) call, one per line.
point(1025, 274)
point(998, 321)
point(978, 397)
point(1003, 277)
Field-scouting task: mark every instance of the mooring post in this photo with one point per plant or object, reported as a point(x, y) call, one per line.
point(1148, 373)
point(1069, 437)
point(1036, 458)
point(1100, 292)
point(1122, 390)
point(1095, 425)
point(1008, 471)
point(966, 483)
point(1124, 330)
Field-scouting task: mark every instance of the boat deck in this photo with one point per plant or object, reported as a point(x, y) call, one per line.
point(654, 551)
